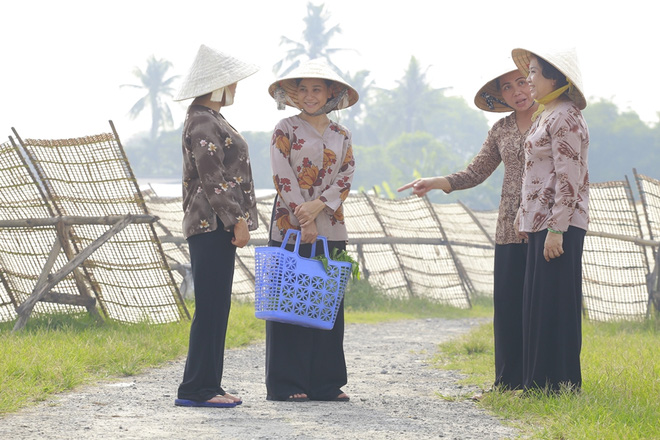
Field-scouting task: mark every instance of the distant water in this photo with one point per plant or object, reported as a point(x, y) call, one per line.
point(172, 188)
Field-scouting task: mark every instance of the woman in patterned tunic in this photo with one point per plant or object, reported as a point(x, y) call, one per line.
point(219, 211)
point(508, 92)
point(553, 215)
point(312, 163)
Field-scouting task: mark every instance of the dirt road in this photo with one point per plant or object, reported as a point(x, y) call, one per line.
point(394, 395)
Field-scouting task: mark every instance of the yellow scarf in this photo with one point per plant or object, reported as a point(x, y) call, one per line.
point(549, 98)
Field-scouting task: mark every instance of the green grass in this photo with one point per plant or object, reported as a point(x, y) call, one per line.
point(621, 384)
point(60, 352)
point(364, 303)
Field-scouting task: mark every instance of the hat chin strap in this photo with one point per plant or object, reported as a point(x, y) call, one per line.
point(282, 97)
point(491, 100)
point(331, 105)
point(547, 99)
point(225, 92)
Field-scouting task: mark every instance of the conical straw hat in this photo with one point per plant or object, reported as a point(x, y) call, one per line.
point(212, 70)
point(563, 60)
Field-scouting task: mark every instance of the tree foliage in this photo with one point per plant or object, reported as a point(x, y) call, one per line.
point(157, 158)
point(619, 142)
point(415, 106)
point(401, 159)
point(360, 81)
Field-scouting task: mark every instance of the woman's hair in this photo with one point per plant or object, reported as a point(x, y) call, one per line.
point(550, 72)
point(327, 82)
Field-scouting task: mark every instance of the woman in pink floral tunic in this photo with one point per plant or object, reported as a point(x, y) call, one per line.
point(219, 213)
point(312, 163)
point(508, 92)
point(553, 215)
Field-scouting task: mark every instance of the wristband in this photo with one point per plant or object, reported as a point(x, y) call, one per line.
point(554, 231)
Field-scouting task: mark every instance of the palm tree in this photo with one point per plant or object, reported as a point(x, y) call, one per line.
point(415, 96)
point(157, 87)
point(411, 106)
point(316, 39)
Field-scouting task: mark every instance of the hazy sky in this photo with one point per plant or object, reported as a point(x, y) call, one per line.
point(63, 61)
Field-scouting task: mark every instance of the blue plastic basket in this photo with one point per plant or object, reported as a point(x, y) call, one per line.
point(298, 290)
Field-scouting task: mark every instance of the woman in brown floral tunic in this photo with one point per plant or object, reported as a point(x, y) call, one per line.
point(219, 211)
point(313, 165)
point(508, 92)
point(553, 215)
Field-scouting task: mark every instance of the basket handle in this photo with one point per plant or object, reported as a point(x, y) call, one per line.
point(286, 239)
point(296, 247)
point(325, 246)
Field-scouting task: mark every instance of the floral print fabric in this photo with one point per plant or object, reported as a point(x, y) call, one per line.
point(555, 192)
point(306, 166)
point(217, 178)
point(504, 144)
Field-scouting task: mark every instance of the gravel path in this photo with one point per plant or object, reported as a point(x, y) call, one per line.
point(394, 395)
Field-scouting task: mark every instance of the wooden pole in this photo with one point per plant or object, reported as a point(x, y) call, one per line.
point(477, 222)
point(42, 282)
point(64, 232)
point(468, 288)
point(75, 220)
point(403, 272)
point(638, 241)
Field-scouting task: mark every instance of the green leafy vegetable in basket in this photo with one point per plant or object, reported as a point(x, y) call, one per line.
point(341, 255)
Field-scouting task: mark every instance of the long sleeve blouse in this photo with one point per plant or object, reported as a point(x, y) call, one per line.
point(308, 165)
point(503, 144)
point(217, 177)
point(555, 192)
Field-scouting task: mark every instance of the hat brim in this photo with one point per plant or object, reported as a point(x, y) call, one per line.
point(291, 88)
point(312, 69)
point(491, 89)
point(564, 61)
point(211, 71)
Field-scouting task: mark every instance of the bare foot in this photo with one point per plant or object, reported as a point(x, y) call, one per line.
point(220, 399)
point(231, 398)
point(298, 396)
